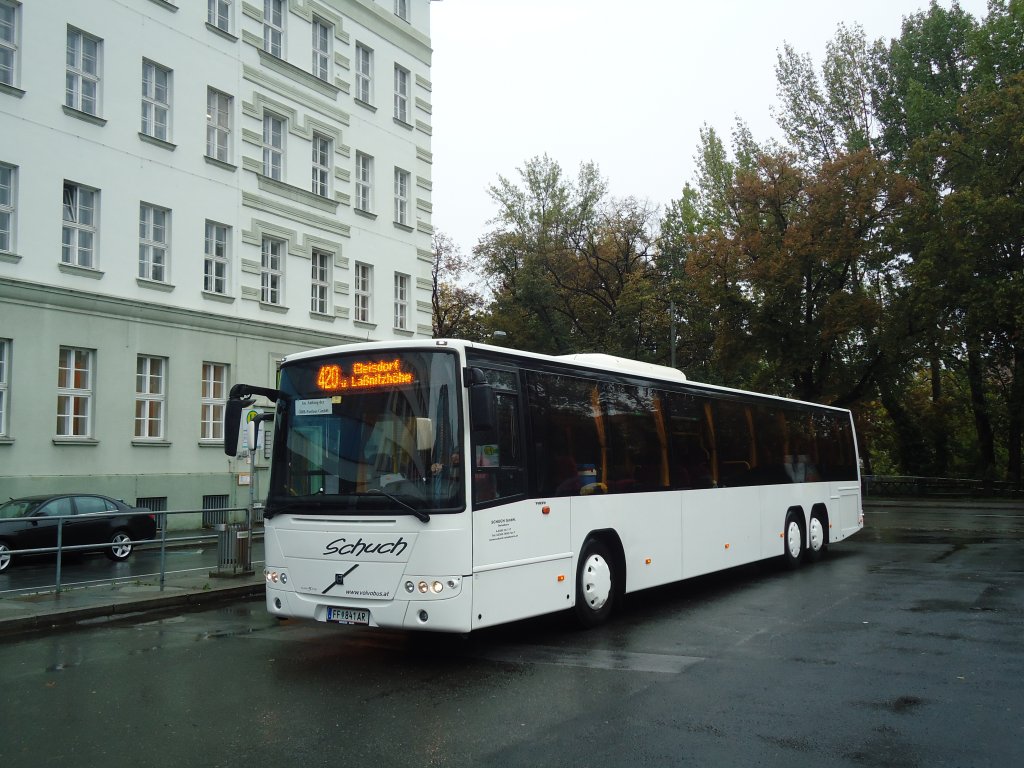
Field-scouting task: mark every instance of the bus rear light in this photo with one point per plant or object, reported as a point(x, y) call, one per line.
point(546, 510)
point(561, 578)
point(648, 561)
point(436, 587)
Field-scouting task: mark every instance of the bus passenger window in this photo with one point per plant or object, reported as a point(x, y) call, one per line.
point(498, 456)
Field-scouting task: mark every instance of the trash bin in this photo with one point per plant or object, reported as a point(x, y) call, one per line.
point(233, 553)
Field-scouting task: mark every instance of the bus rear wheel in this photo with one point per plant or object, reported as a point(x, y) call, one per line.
point(595, 584)
point(793, 537)
point(817, 537)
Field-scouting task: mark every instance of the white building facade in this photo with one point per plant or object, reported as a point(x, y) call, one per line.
point(189, 191)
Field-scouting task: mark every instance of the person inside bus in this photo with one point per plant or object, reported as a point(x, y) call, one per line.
point(446, 477)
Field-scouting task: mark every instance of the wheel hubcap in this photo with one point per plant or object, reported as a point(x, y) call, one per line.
point(122, 546)
point(793, 539)
point(817, 534)
point(5, 556)
point(596, 582)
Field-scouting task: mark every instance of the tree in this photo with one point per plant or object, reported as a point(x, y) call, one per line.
point(570, 269)
point(456, 306)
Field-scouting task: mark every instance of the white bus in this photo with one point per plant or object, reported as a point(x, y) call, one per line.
point(448, 486)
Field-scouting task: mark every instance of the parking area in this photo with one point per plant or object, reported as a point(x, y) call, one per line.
point(902, 648)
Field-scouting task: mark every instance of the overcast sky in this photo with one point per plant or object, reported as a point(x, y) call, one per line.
point(627, 85)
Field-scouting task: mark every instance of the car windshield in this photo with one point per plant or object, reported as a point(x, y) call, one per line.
point(18, 508)
point(368, 433)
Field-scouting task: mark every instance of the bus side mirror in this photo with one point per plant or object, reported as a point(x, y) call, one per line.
point(483, 414)
point(232, 420)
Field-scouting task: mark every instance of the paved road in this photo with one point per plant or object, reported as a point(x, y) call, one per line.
point(903, 648)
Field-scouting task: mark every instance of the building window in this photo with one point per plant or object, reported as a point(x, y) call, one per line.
point(273, 146)
point(273, 27)
point(156, 101)
point(150, 397)
point(321, 282)
point(363, 287)
point(5, 383)
point(154, 229)
point(321, 165)
point(154, 504)
point(79, 234)
point(215, 510)
point(8, 43)
point(213, 396)
point(218, 124)
point(271, 270)
point(402, 9)
point(364, 74)
point(218, 13)
point(74, 392)
point(82, 76)
point(364, 181)
point(401, 301)
point(215, 260)
point(7, 178)
point(401, 94)
point(322, 34)
point(401, 197)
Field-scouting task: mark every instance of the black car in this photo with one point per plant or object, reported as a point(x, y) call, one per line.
point(110, 525)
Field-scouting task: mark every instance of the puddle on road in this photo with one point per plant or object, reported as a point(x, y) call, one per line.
point(620, 661)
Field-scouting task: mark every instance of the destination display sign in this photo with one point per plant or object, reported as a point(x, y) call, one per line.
point(363, 375)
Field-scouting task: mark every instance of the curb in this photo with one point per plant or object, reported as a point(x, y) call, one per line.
point(125, 608)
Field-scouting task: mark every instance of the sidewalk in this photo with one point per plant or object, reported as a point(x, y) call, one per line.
point(94, 604)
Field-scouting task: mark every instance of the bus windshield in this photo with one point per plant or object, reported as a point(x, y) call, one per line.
point(369, 433)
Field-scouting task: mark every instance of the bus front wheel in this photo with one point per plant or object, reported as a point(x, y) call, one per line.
point(793, 535)
point(595, 584)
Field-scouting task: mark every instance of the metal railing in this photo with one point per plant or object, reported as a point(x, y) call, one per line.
point(238, 558)
point(937, 487)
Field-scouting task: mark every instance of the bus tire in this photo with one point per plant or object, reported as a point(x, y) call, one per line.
point(793, 540)
point(817, 536)
point(595, 584)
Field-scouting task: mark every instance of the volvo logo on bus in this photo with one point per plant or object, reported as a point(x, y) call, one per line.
point(359, 547)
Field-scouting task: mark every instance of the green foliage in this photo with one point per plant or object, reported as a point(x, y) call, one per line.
point(876, 260)
point(569, 268)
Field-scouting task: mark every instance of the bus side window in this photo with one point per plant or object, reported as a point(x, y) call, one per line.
point(499, 458)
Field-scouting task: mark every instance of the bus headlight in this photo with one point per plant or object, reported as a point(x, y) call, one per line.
point(275, 577)
point(433, 587)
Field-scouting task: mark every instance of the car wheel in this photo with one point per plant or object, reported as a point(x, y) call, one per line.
point(595, 584)
point(5, 556)
point(120, 546)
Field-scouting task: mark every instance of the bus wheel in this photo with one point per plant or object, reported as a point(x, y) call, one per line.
point(817, 539)
point(595, 591)
point(794, 541)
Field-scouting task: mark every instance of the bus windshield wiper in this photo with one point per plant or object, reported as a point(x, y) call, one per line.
point(419, 514)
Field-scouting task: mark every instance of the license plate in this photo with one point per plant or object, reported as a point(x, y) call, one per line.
point(348, 615)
